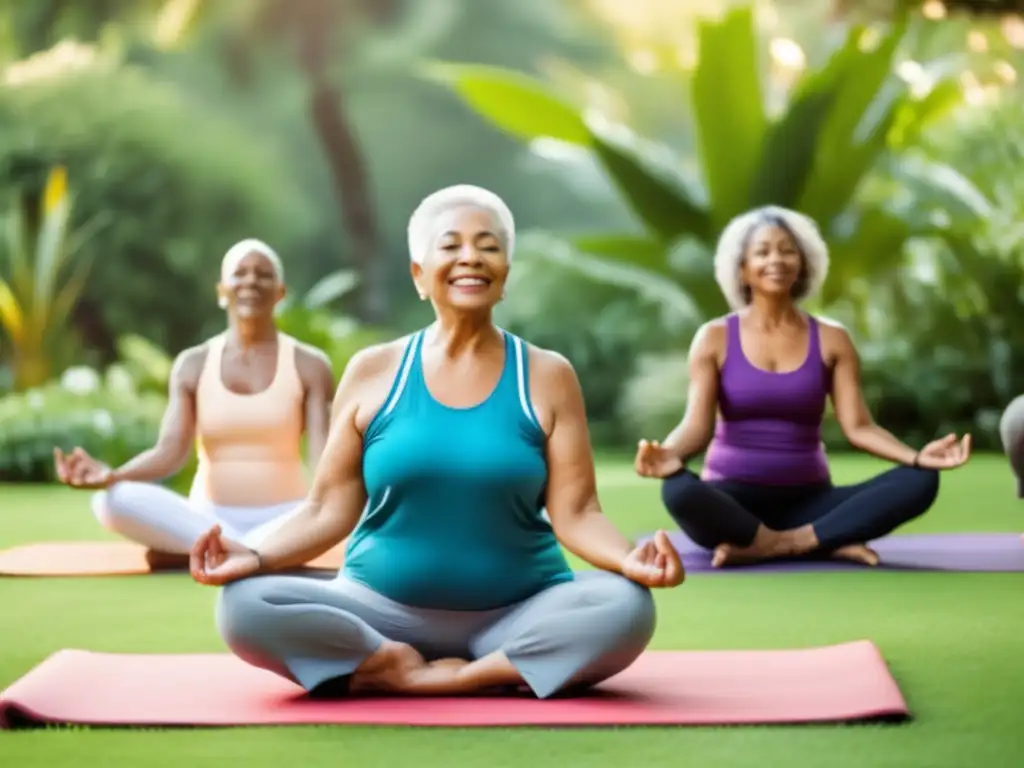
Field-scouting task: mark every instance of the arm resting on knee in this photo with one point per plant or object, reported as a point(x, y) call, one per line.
point(572, 502)
point(851, 410)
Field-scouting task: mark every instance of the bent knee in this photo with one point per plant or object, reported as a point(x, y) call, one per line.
point(926, 486)
point(629, 614)
point(119, 503)
point(681, 490)
point(243, 613)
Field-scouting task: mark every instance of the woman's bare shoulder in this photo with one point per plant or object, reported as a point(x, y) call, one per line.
point(188, 366)
point(376, 360)
point(709, 341)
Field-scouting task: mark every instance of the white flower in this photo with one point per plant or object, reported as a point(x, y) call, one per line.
point(103, 423)
point(119, 380)
point(80, 380)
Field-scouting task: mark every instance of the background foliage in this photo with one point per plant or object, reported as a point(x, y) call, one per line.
point(624, 136)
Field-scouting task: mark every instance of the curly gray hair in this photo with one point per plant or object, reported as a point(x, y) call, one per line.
point(732, 248)
point(423, 222)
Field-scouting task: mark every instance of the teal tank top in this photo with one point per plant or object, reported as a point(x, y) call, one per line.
point(455, 513)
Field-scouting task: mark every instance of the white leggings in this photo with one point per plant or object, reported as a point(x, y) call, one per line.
point(165, 521)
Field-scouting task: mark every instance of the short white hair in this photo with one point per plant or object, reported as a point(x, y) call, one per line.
point(732, 247)
point(239, 251)
point(423, 232)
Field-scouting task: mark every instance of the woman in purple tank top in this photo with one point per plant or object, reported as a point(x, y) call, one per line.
point(767, 371)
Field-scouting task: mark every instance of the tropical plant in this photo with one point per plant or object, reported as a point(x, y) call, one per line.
point(175, 198)
point(145, 363)
point(312, 320)
point(307, 32)
point(42, 277)
point(845, 123)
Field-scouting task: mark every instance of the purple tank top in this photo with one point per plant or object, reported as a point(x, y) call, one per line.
point(769, 428)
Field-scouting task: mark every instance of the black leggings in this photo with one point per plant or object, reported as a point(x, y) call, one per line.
point(717, 512)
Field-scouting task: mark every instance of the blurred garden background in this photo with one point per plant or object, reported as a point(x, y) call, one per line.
point(139, 139)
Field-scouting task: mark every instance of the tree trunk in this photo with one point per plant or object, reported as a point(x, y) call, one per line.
point(354, 196)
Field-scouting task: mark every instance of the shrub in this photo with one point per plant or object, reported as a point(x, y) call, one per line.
point(105, 417)
point(171, 185)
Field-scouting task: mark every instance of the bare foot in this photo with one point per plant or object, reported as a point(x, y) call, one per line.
point(729, 554)
point(388, 669)
point(436, 678)
point(767, 544)
point(165, 561)
point(857, 553)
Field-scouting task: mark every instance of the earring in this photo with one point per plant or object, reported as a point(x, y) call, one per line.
point(423, 297)
point(222, 302)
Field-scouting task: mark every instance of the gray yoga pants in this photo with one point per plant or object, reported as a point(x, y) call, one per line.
point(573, 634)
point(1011, 430)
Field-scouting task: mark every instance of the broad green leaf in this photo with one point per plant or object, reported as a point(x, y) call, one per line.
point(634, 250)
point(939, 186)
point(874, 247)
point(915, 115)
point(672, 298)
point(521, 105)
point(790, 144)
point(330, 288)
point(792, 140)
point(664, 207)
point(855, 133)
point(729, 111)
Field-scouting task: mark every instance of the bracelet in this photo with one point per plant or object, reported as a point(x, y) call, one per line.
point(259, 560)
point(917, 457)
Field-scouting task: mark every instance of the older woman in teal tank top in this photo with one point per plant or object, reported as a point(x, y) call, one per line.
point(767, 371)
point(458, 466)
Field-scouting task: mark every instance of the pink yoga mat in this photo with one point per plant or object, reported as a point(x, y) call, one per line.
point(836, 683)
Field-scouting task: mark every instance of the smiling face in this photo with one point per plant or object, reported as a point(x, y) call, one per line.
point(250, 288)
point(772, 262)
point(467, 265)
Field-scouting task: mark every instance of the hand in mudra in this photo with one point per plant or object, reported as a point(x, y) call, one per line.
point(215, 560)
point(945, 453)
point(80, 470)
point(653, 460)
point(655, 563)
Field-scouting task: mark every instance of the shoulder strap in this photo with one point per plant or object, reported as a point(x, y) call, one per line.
point(522, 355)
point(402, 375)
point(732, 324)
point(815, 340)
point(209, 375)
point(287, 348)
point(733, 348)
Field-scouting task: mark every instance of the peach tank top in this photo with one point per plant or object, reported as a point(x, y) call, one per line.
point(250, 446)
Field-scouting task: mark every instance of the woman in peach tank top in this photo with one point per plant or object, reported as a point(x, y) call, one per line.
point(244, 398)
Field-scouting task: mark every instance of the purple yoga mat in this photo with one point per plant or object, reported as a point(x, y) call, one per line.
point(966, 552)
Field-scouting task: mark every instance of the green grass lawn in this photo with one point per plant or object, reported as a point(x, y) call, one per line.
point(953, 641)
